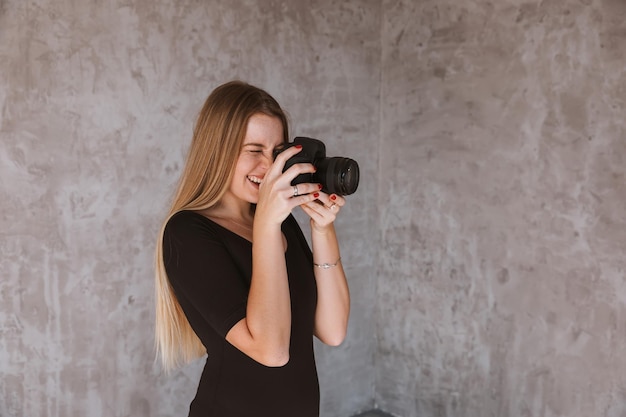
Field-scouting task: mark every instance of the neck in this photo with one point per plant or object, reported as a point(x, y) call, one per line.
point(242, 214)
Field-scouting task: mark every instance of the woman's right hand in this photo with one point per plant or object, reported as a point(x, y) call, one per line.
point(277, 197)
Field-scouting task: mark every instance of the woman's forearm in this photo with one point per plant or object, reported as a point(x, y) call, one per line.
point(333, 299)
point(265, 333)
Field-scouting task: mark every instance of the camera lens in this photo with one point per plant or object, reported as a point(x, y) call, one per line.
point(338, 175)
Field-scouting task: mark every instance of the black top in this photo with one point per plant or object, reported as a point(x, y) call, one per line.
point(209, 268)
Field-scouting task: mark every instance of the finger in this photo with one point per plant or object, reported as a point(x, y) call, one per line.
point(334, 208)
point(278, 165)
point(318, 208)
point(329, 199)
point(304, 200)
point(306, 188)
point(317, 213)
point(328, 213)
point(281, 158)
point(324, 199)
point(293, 171)
point(337, 199)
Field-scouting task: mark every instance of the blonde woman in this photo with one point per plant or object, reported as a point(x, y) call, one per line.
point(235, 276)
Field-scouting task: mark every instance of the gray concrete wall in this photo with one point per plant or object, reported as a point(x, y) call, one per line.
point(493, 159)
point(502, 192)
point(97, 103)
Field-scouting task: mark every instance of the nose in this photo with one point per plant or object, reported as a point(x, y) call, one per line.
point(266, 161)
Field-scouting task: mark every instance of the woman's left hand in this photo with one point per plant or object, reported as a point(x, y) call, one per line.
point(324, 210)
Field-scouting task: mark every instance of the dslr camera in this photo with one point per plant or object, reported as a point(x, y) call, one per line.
point(338, 175)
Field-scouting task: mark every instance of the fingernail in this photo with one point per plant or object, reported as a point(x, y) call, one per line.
point(316, 195)
point(320, 185)
point(298, 146)
point(333, 197)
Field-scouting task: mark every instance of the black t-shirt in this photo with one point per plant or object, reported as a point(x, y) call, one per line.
point(209, 268)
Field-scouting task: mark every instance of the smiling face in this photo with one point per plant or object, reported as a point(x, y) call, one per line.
point(263, 134)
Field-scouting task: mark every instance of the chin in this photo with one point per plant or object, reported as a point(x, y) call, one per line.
point(252, 198)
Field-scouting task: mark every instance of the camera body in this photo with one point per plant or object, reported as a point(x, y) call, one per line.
point(338, 175)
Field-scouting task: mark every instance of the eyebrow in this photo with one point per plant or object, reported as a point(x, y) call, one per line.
point(256, 145)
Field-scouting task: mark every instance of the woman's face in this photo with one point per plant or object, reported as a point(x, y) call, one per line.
point(263, 134)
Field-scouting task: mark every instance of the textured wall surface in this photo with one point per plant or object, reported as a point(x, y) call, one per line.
point(97, 103)
point(503, 159)
point(494, 158)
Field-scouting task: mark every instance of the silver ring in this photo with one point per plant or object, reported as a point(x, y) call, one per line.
point(295, 191)
point(332, 207)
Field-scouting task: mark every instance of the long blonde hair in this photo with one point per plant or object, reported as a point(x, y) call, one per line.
point(217, 140)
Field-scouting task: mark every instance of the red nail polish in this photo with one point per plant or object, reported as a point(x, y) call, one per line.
point(316, 195)
point(333, 197)
point(320, 186)
point(298, 146)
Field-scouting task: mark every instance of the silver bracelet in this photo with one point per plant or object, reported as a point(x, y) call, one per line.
point(327, 266)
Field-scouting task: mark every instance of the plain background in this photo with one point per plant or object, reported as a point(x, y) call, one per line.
point(484, 247)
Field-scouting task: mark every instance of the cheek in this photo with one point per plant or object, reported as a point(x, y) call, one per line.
point(242, 164)
point(251, 163)
point(245, 166)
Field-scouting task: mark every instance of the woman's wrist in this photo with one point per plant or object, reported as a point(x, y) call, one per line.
point(321, 230)
point(327, 265)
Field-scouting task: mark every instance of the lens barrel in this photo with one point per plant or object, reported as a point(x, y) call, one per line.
point(338, 175)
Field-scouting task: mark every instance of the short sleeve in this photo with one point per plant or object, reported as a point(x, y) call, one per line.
point(203, 273)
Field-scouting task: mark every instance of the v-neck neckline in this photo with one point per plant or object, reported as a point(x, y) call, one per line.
point(237, 234)
point(223, 227)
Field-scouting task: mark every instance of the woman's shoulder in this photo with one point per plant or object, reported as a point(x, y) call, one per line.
point(187, 222)
point(185, 218)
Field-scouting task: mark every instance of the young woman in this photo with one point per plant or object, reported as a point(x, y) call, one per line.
point(235, 277)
